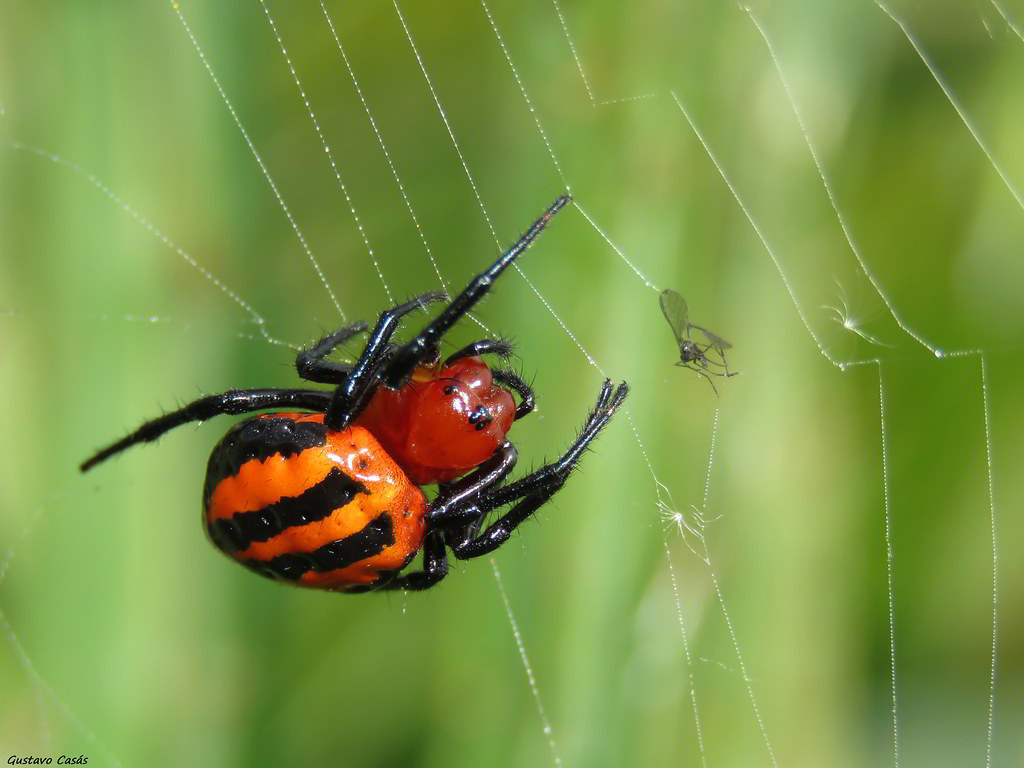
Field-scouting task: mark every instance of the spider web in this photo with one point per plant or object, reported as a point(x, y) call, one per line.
point(810, 570)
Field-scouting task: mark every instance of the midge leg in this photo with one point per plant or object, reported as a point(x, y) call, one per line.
point(398, 368)
point(233, 402)
point(701, 371)
point(533, 490)
point(724, 364)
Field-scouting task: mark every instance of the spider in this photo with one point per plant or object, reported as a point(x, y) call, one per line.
point(692, 354)
point(325, 492)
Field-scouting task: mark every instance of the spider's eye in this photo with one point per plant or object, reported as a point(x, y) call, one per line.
point(480, 418)
point(462, 421)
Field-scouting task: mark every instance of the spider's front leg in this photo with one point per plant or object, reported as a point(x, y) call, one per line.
point(456, 502)
point(528, 493)
point(415, 351)
point(362, 379)
point(448, 510)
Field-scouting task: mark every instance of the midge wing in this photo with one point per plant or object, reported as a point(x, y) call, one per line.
point(673, 306)
point(716, 341)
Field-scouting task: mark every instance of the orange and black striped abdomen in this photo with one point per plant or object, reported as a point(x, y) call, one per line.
point(294, 501)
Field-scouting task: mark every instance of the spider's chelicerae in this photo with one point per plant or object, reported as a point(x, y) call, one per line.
point(327, 493)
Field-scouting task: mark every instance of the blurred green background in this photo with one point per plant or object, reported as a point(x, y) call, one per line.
point(127, 638)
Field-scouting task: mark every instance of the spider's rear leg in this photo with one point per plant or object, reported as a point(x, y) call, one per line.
point(532, 491)
point(310, 362)
point(233, 402)
point(435, 568)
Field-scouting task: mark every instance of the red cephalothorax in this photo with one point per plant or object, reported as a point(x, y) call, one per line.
point(330, 499)
point(444, 422)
